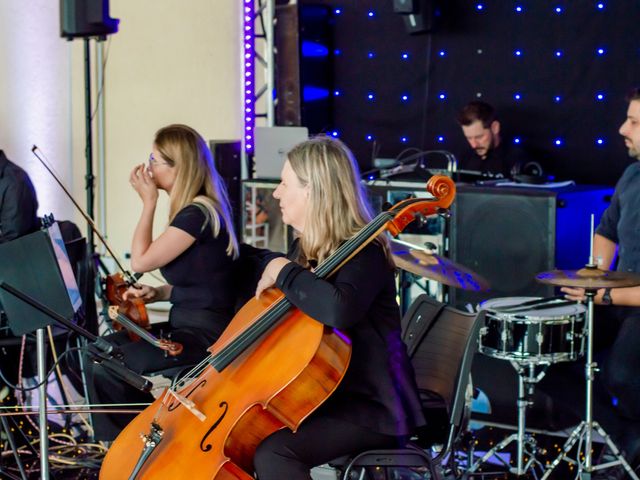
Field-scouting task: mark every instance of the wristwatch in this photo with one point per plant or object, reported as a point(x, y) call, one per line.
point(606, 297)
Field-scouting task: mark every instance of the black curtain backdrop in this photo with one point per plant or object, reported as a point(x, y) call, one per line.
point(394, 91)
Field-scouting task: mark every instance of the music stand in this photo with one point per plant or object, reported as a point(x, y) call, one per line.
point(37, 264)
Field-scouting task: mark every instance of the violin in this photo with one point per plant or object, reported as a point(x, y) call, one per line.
point(134, 309)
point(132, 315)
point(270, 369)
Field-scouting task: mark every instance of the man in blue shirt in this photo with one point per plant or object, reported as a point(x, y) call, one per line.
point(619, 230)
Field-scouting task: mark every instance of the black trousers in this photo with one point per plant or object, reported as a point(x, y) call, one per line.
point(621, 373)
point(319, 439)
point(143, 358)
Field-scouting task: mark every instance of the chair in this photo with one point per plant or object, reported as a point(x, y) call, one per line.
point(441, 342)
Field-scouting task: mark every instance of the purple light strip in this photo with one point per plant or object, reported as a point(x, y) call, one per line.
point(248, 57)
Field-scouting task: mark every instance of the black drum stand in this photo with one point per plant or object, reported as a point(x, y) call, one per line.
point(584, 431)
point(527, 379)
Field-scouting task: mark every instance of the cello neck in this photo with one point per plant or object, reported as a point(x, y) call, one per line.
point(394, 219)
point(271, 316)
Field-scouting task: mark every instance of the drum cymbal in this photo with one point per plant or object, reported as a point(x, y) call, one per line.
point(589, 278)
point(434, 267)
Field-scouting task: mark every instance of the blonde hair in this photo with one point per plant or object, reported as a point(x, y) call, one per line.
point(337, 207)
point(197, 180)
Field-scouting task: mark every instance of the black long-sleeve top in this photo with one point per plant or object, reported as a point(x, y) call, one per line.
point(18, 201)
point(379, 390)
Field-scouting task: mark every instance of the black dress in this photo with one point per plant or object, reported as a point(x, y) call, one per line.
point(377, 403)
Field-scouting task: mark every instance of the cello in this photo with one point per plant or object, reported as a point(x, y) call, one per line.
point(270, 369)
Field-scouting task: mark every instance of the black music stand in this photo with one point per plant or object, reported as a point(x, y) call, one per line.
point(37, 265)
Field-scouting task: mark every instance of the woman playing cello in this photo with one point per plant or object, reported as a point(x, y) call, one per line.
point(195, 255)
point(376, 404)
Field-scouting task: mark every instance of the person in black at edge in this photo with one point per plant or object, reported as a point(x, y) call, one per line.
point(18, 217)
point(489, 156)
point(619, 229)
point(195, 255)
point(18, 201)
point(377, 403)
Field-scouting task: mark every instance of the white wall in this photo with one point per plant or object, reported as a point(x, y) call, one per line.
point(35, 96)
point(172, 61)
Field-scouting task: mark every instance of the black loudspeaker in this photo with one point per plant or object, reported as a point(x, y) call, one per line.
point(316, 67)
point(419, 16)
point(287, 66)
point(86, 18)
point(227, 159)
point(509, 235)
point(404, 6)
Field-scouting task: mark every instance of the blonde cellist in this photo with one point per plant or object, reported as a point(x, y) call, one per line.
point(376, 405)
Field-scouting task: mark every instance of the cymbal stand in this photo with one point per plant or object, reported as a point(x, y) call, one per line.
point(527, 378)
point(584, 430)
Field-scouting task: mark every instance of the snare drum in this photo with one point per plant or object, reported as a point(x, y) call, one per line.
point(549, 335)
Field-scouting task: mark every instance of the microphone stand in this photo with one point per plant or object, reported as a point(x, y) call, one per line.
point(108, 355)
point(100, 349)
point(404, 165)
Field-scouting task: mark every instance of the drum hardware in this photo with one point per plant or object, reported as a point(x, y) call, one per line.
point(527, 379)
point(541, 304)
point(532, 334)
point(591, 279)
point(427, 264)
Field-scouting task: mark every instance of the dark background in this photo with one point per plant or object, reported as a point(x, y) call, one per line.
point(469, 53)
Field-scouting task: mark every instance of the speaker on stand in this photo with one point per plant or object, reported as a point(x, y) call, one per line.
point(227, 159)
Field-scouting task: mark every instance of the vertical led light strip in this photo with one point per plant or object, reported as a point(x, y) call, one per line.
point(249, 74)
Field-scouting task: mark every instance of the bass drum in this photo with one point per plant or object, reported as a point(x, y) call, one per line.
point(536, 336)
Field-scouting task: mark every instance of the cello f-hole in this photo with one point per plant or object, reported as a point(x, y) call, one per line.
point(224, 405)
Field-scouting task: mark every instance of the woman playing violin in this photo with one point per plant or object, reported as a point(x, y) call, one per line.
point(195, 254)
point(377, 403)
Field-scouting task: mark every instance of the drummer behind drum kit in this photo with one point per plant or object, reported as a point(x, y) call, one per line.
point(533, 333)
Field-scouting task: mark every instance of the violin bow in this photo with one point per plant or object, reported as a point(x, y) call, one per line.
point(131, 280)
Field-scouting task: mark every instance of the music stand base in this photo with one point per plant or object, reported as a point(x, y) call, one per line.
point(576, 434)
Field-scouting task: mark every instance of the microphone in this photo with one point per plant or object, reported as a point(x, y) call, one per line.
point(116, 366)
point(106, 347)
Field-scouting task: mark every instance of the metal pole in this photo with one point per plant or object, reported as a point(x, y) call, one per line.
point(270, 59)
point(42, 413)
point(522, 405)
point(589, 369)
point(102, 202)
point(89, 143)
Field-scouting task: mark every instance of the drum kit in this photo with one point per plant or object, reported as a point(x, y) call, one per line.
point(533, 333)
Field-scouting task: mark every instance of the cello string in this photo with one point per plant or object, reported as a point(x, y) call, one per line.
point(276, 311)
point(269, 318)
point(248, 336)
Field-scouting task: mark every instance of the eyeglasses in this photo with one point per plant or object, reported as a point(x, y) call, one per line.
point(153, 161)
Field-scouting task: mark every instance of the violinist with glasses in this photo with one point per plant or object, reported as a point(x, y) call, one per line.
point(195, 254)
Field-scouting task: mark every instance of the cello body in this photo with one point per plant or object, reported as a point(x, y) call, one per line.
point(275, 384)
